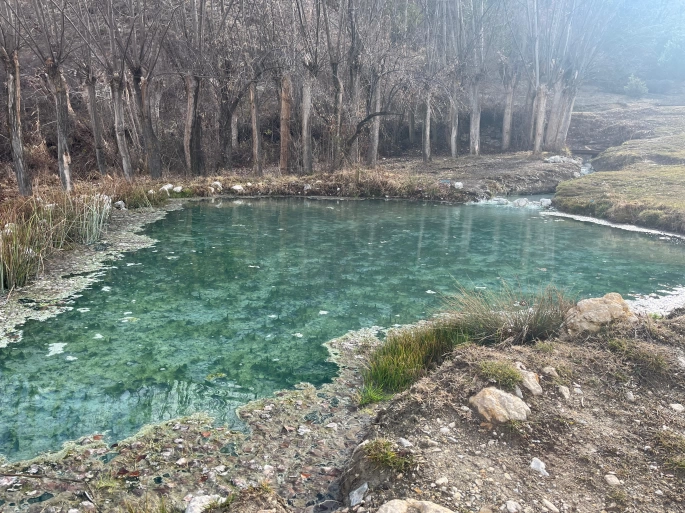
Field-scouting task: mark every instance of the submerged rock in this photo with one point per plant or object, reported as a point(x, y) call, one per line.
point(521, 202)
point(589, 315)
point(495, 405)
point(412, 506)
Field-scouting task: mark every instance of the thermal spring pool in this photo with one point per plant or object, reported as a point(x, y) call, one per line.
point(237, 297)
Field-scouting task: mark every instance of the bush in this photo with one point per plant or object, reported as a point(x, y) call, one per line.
point(636, 87)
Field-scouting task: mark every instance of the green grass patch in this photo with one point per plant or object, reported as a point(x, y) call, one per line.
point(649, 196)
point(371, 393)
point(646, 358)
point(501, 372)
point(674, 442)
point(406, 356)
point(383, 454)
point(669, 150)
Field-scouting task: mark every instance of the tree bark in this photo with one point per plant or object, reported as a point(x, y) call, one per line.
point(474, 122)
point(412, 127)
point(540, 112)
point(234, 129)
point(556, 117)
point(96, 124)
point(508, 116)
point(454, 127)
point(192, 134)
point(355, 95)
point(569, 102)
point(307, 157)
point(153, 157)
point(256, 131)
point(119, 127)
point(58, 87)
point(286, 107)
point(427, 130)
point(13, 88)
point(372, 157)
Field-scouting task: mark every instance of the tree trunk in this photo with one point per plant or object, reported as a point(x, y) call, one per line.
point(192, 134)
point(454, 127)
point(13, 86)
point(256, 131)
point(427, 131)
point(372, 157)
point(59, 93)
point(556, 117)
point(96, 124)
point(412, 127)
point(529, 113)
point(474, 122)
point(234, 129)
point(541, 111)
point(337, 119)
point(508, 116)
point(355, 95)
point(286, 106)
point(119, 127)
point(568, 103)
point(307, 157)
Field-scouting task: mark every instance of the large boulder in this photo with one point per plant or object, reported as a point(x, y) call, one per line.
point(495, 405)
point(412, 506)
point(589, 315)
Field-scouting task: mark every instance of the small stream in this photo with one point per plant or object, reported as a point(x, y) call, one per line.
point(237, 297)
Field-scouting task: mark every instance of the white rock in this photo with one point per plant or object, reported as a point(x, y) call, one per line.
point(238, 188)
point(589, 315)
point(458, 185)
point(612, 480)
point(332, 426)
point(404, 442)
point(521, 202)
point(302, 430)
point(217, 186)
point(88, 506)
point(677, 407)
point(356, 496)
point(307, 187)
point(545, 202)
point(120, 205)
point(518, 392)
point(531, 381)
point(200, 503)
point(550, 371)
point(412, 506)
point(442, 481)
point(539, 466)
point(513, 507)
point(151, 192)
point(181, 461)
point(550, 506)
point(178, 188)
point(499, 406)
point(630, 397)
point(166, 187)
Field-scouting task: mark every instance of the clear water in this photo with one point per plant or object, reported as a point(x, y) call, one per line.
point(236, 298)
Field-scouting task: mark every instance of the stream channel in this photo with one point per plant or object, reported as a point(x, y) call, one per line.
point(237, 297)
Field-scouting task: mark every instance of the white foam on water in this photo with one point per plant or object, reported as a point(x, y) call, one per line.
point(663, 304)
point(626, 227)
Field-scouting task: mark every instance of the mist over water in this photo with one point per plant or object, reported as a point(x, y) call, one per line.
point(236, 298)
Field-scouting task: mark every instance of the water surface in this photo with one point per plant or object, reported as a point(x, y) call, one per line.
point(236, 298)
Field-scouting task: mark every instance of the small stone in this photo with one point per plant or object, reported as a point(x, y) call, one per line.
point(120, 205)
point(612, 480)
point(458, 185)
point(178, 188)
point(404, 442)
point(238, 188)
point(507, 476)
point(578, 391)
point(200, 503)
point(564, 391)
point(545, 202)
point(513, 507)
point(521, 202)
point(550, 506)
point(412, 506)
point(499, 406)
point(517, 391)
point(678, 408)
point(630, 397)
point(442, 481)
point(302, 430)
point(539, 466)
point(88, 506)
point(445, 430)
point(182, 461)
point(550, 371)
point(332, 426)
point(357, 495)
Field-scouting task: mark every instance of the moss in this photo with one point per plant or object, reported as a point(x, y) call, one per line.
point(384, 455)
point(501, 372)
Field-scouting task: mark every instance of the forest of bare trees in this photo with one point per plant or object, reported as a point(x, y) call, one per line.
point(146, 87)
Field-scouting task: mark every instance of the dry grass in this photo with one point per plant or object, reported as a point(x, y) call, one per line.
point(501, 372)
point(645, 195)
point(384, 454)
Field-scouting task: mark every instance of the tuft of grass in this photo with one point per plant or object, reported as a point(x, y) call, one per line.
point(150, 504)
point(407, 355)
point(370, 394)
point(676, 463)
point(645, 357)
point(501, 372)
point(383, 454)
point(671, 441)
point(510, 315)
point(544, 347)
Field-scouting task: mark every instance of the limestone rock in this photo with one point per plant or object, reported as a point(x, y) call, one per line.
point(550, 371)
point(513, 507)
point(521, 202)
point(356, 496)
point(550, 506)
point(200, 503)
point(545, 202)
point(531, 381)
point(539, 466)
point(178, 188)
point(496, 405)
point(612, 480)
point(412, 506)
point(677, 407)
point(589, 315)
point(120, 205)
point(238, 188)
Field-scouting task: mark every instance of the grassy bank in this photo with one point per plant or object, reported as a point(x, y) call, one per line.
point(645, 195)
point(507, 316)
point(669, 150)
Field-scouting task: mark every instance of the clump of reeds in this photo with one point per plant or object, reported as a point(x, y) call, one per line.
point(511, 315)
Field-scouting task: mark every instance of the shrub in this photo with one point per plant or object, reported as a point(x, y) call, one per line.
point(501, 372)
point(636, 87)
point(383, 454)
point(509, 315)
